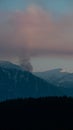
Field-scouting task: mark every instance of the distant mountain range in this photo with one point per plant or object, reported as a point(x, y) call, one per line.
point(63, 80)
point(18, 83)
point(57, 77)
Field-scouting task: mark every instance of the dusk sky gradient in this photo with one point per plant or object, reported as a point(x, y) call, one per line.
point(44, 28)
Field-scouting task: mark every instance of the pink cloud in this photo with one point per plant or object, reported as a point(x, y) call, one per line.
point(35, 30)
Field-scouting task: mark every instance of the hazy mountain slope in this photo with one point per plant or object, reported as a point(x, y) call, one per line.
point(61, 79)
point(17, 83)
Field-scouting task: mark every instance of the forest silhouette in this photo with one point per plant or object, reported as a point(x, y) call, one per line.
point(36, 114)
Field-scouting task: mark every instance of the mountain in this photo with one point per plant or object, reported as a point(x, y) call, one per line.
point(18, 83)
point(9, 65)
point(63, 80)
point(57, 76)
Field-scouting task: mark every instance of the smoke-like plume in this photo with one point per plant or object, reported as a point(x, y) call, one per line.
point(25, 64)
point(24, 61)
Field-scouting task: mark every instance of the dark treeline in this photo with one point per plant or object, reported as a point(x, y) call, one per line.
point(47, 113)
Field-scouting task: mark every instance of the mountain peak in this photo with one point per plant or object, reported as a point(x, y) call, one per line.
point(9, 65)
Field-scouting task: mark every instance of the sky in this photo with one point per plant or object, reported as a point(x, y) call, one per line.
point(37, 31)
point(53, 5)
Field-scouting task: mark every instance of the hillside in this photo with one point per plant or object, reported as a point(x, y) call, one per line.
point(18, 83)
point(57, 77)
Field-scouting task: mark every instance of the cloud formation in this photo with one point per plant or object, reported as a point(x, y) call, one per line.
point(34, 32)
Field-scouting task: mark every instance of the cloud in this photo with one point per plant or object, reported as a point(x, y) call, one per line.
point(34, 32)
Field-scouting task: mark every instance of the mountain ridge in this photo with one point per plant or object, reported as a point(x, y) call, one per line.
point(18, 83)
